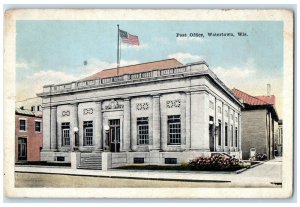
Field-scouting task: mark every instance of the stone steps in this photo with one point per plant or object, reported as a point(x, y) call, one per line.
point(92, 162)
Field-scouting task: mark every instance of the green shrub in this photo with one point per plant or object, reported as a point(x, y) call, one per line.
point(184, 165)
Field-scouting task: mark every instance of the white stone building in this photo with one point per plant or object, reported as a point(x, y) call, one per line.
point(157, 113)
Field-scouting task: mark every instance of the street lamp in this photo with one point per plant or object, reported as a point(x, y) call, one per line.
point(75, 130)
point(106, 129)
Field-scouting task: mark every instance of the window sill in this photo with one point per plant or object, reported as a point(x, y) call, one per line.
point(22, 131)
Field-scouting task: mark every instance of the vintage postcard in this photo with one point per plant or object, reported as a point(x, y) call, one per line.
point(139, 103)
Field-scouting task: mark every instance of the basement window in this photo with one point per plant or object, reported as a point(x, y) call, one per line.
point(138, 160)
point(60, 158)
point(170, 160)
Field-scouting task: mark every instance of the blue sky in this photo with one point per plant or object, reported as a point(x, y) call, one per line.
point(54, 51)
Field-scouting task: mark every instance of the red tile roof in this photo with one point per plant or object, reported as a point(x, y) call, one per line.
point(268, 99)
point(253, 100)
point(143, 67)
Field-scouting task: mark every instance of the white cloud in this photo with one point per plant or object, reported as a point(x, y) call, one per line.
point(31, 85)
point(234, 74)
point(251, 81)
point(186, 57)
point(23, 65)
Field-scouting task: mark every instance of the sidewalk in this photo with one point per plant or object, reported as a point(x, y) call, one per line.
point(251, 178)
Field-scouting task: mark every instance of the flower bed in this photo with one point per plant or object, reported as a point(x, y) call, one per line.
point(215, 162)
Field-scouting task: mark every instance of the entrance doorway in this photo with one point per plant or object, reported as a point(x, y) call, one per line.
point(114, 135)
point(22, 149)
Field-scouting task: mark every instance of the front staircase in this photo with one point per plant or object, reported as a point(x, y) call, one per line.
point(91, 162)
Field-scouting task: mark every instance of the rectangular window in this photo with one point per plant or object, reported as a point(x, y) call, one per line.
point(174, 130)
point(226, 134)
point(23, 125)
point(219, 133)
point(88, 133)
point(143, 130)
point(65, 133)
point(37, 126)
point(236, 137)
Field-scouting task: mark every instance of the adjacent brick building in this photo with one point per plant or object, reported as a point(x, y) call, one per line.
point(259, 117)
point(29, 135)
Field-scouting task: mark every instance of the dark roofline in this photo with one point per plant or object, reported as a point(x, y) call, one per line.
point(268, 107)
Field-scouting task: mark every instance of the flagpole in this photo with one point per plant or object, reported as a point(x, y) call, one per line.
point(118, 57)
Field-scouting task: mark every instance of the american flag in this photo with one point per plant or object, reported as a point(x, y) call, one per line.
point(128, 38)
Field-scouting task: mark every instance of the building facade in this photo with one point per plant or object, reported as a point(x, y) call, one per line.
point(259, 118)
point(29, 135)
point(158, 112)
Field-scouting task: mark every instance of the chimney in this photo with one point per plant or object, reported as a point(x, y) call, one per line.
point(268, 89)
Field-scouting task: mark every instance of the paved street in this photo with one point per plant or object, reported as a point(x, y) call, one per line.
point(50, 180)
point(260, 176)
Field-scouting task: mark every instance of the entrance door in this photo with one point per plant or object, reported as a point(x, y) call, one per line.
point(22, 149)
point(114, 135)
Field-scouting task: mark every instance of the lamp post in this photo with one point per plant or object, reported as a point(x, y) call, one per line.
point(75, 130)
point(106, 129)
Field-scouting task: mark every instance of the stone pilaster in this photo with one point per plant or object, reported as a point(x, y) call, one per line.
point(74, 123)
point(199, 121)
point(46, 129)
point(53, 134)
point(156, 123)
point(126, 137)
point(188, 120)
point(80, 127)
point(98, 127)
